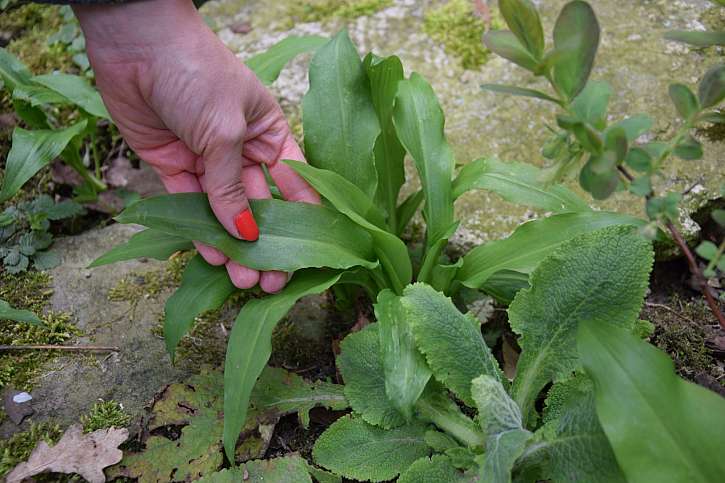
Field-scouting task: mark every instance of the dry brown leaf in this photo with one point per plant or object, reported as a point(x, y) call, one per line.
point(84, 454)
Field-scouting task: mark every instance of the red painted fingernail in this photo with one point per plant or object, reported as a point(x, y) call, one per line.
point(246, 226)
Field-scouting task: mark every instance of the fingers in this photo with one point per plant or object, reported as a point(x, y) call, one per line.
point(273, 282)
point(241, 276)
point(292, 186)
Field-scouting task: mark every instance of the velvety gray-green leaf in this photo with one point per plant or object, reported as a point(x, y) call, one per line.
point(354, 449)
point(268, 64)
point(250, 345)
point(339, 120)
point(292, 235)
point(284, 469)
point(519, 91)
point(405, 369)
point(203, 287)
point(661, 427)
point(362, 370)
point(518, 183)
point(9, 313)
point(531, 242)
point(147, 243)
point(76, 90)
point(523, 20)
point(576, 33)
point(436, 469)
point(452, 342)
point(31, 151)
point(599, 276)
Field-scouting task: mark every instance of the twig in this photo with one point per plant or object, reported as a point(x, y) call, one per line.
point(671, 310)
point(72, 348)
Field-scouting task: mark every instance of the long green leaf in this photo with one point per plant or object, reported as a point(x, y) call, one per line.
point(12, 71)
point(339, 120)
point(9, 313)
point(419, 123)
point(531, 242)
point(148, 243)
point(385, 74)
point(661, 427)
point(698, 39)
point(75, 89)
point(406, 372)
point(518, 183)
point(520, 91)
point(37, 95)
point(601, 277)
point(30, 152)
point(452, 342)
point(407, 210)
point(270, 63)
point(292, 235)
point(203, 287)
point(576, 33)
point(349, 200)
point(523, 19)
point(250, 345)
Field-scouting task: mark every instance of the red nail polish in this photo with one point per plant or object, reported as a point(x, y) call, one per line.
point(246, 226)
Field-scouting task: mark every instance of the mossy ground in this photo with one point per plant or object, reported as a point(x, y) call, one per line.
point(322, 10)
point(18, 447)
point(103, 415)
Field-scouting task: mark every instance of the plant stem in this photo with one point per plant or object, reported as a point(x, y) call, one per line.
point(444, 413)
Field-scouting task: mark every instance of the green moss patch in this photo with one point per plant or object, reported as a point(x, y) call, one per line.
point(103, 415)
point(17, 448)
point(321, 10)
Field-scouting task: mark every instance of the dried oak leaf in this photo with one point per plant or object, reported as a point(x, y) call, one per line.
point(84, 454)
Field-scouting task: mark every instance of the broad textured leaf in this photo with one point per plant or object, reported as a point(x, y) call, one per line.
point(284, 469)
point(523, 20)
point(505, 44)
point(30, 152)
point(284, 392)
point(519, 91)
point(203, 287)
point(436, 406)
point(600, 277)
point(590, 105)
point(436, 469)
point(712, 87)
point(77, 90)
point(349, 200)
point(385, 74)
point(576, 33)
point(9, 313)
point(531, 242)
point(684, 100)
point(661, 427)
point(362, 370)
point(270, 63)
point(698, 39)
point(46, 260)
point(147, 243)
point(452, 342)
point(518, 183)
point(354, 449)
point(406, 372)
point(339, 120)
point(250, 345)
point(292, 235)
point(501, 420)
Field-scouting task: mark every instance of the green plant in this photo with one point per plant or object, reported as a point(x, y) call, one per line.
point(605, 155)
point(70, 36)
point(105, 414)
point(18, 447)
point(39, 102)
point(25, 235)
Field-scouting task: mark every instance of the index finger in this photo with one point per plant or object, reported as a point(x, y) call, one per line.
point(292, 186)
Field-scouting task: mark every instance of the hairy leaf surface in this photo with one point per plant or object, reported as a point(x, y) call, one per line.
point(354, 449)
point(268, 64)
point(518, 183)
point(292, 235)
point(250, 345)
point(339, 120)
point(284, 469)
point(452, 342)
point(435, 469)
point(147, 243)
point(661, 427)
point(531, 242)
point(600, 277)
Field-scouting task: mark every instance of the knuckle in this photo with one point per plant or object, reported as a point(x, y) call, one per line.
point(228, 192)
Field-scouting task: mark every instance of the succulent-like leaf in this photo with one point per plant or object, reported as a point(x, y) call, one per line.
point(590, 105)
point(661, 427)
point(268, 64)
point(601, 277)
point(576, 33)
point(518, 183)
point(354, 449)
point(505, 44)
point(712, 87)
point(684, 100)
point(523, 19)
point(292, 235)
point(250, 345)
point(339, 120)
point(147, 243)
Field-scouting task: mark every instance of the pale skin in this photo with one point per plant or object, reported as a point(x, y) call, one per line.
point(188, 107)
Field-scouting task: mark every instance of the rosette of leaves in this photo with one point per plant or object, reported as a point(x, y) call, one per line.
point(25, 238)
point(360, 117)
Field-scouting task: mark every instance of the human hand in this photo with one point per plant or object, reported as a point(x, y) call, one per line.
point(187, 106)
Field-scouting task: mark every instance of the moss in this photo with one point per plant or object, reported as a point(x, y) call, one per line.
point(29, 291)
point(460, 30)
point(321, 10)
point(103, 415)
point(17, 448)
point(714, 18)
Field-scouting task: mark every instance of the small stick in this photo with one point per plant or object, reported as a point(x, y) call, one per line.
point(97, 348)
point(671, 310)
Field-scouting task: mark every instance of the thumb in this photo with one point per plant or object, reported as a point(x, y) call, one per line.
point(223, 184)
